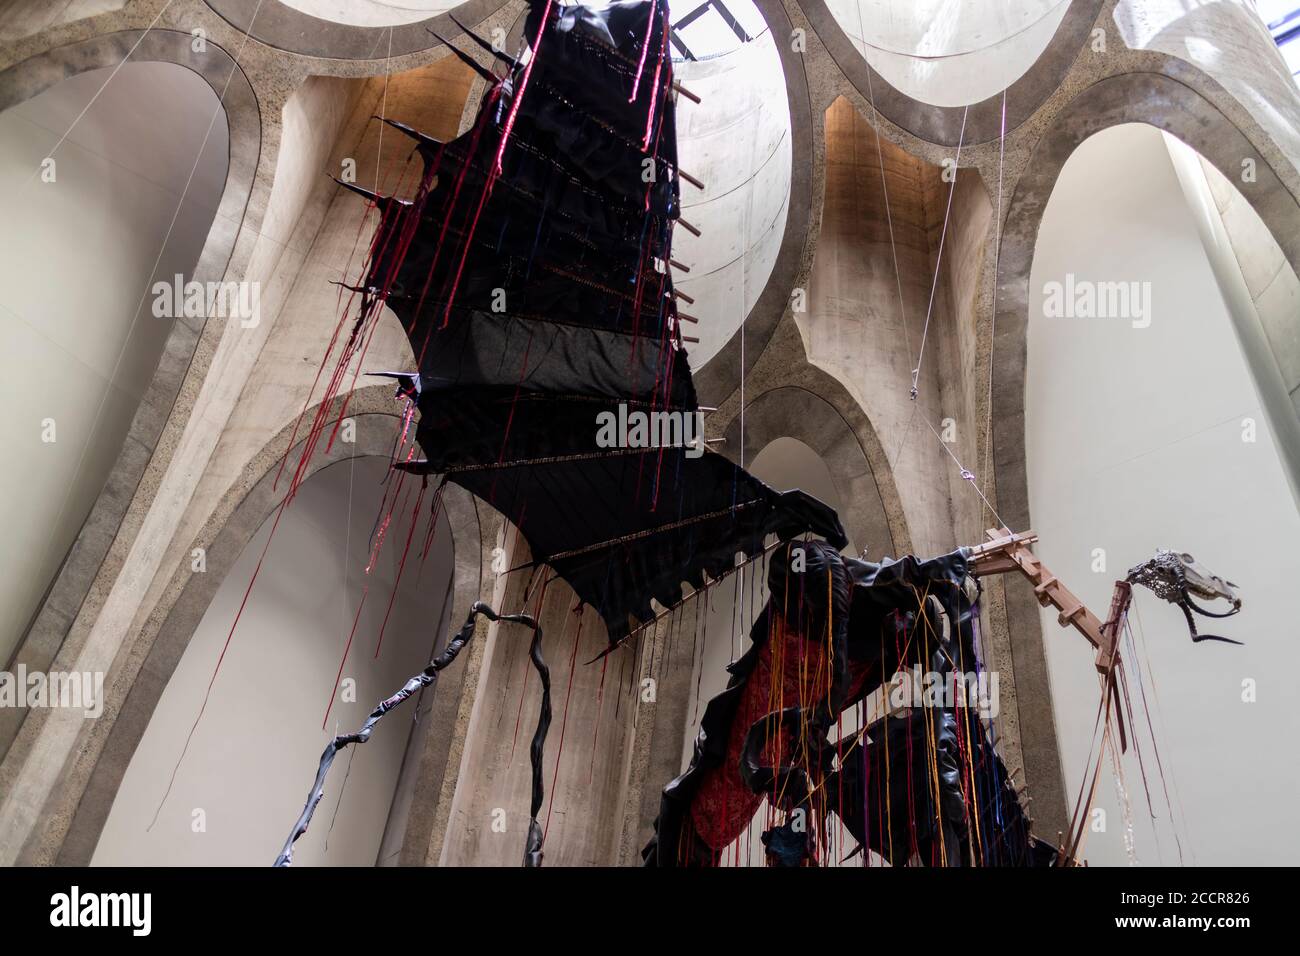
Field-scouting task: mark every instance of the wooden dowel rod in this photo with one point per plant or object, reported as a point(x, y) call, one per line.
point(689, 178)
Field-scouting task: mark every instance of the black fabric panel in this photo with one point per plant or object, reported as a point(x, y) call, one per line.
point(536, 298)
point(642, 545)
point(540, 357)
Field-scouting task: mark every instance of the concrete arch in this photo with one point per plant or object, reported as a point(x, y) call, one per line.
point(286, 28)
point(90, 549)
point(797, 412)
point(942, 125)
point(1128, 98)
point(91, 785)
point(1178, 109)
point(1222, 43)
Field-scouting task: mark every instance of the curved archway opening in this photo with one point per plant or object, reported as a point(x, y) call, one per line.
point(101, 205)
point(950, 52)
point(1129, 450)
point(251, 760)
point(737, 141)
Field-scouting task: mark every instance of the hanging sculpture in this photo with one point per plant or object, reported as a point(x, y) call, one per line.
point(921, 786)
point(834, 631)
point(532, 275)
point(532, 272)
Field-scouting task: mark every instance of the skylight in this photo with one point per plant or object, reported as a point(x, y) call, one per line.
point(1283, 20)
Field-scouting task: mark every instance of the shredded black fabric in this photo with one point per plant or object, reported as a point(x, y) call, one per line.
point(426, 678)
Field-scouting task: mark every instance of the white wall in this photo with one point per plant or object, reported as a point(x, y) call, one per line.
point(950, 52)
point(78, 340)
point(255, 752)
point(737, 142)
point(1135, 441)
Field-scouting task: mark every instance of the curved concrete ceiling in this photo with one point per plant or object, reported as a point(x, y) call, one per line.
point(737, 142)
point(22, 18)
point(351, 29)
point(129, 201)
point(950, 52)
point(972, 122)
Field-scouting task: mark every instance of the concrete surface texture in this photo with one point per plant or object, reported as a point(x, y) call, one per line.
point(20, 18)
point(794, 244)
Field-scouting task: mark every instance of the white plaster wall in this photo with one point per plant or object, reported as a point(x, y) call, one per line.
point(1267, 280)
point(950, 52)
point(138, 181)
point(1135, 441)
point(737, 142)
point(254, 755)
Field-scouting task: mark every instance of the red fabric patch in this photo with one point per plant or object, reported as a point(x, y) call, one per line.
point(790, 672)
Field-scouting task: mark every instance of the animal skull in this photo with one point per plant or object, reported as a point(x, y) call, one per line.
point(1175, 576)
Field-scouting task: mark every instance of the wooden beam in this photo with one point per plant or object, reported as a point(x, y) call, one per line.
point(1005, 552)
point(689, 178)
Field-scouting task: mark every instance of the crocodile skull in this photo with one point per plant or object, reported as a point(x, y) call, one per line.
point(1173, 575)
point(1176, 576)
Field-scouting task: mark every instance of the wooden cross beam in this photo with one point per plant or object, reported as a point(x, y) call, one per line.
point(1006, 551)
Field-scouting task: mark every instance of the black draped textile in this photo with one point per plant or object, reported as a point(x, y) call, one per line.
point(538, 294)
point(925, 784)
